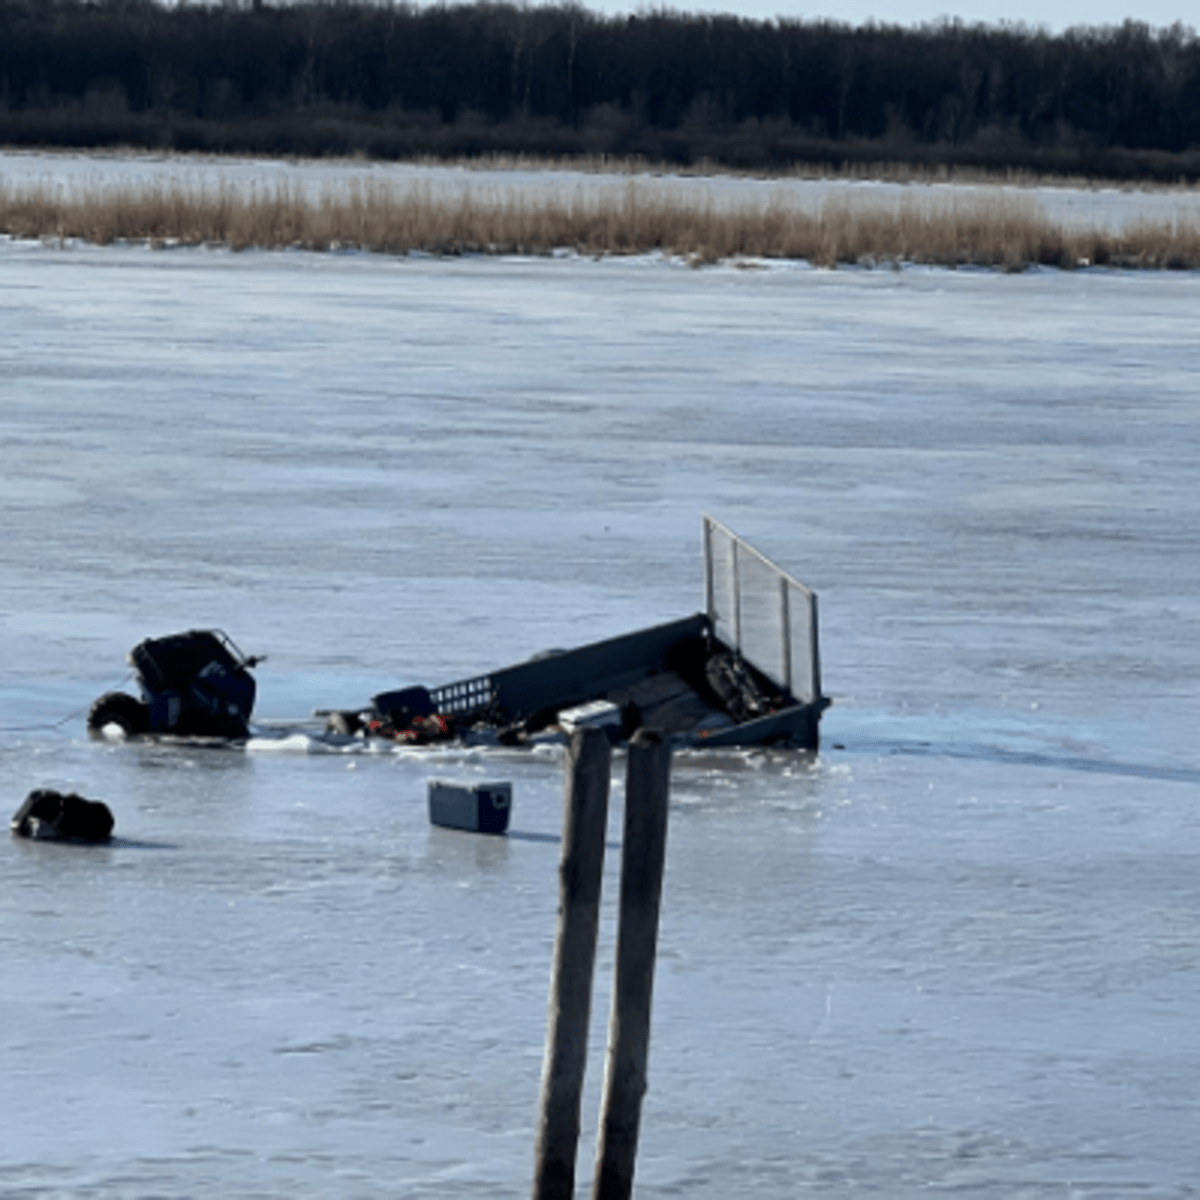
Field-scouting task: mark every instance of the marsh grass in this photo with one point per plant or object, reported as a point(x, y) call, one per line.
point(981, 227)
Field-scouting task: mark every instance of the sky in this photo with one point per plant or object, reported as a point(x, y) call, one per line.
point(1053, 15)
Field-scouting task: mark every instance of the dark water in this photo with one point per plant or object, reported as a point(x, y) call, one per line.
point(957, 952)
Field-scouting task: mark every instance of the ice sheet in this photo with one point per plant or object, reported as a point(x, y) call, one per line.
point(955, 952)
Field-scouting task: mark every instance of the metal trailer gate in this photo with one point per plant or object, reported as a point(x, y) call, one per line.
point(760, 611)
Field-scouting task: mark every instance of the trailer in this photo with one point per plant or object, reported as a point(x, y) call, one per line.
point(744, 672)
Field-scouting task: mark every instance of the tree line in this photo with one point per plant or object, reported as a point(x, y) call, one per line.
point(393, 80)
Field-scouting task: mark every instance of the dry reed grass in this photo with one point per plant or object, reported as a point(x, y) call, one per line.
point(1004, 230)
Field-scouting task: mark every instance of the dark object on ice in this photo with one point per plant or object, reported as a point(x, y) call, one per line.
point(401, 714)
point(346, 723)
point(402, 706)
point(746, 672)
point(475, 807)
point(48, 815)
point(194, 684)
point(406, 716)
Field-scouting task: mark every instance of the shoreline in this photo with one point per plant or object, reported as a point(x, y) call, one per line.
point(449, 213)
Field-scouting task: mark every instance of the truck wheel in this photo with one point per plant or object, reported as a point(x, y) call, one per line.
point(118, 708)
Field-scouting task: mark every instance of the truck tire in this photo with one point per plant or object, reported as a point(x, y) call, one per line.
point(121, 709)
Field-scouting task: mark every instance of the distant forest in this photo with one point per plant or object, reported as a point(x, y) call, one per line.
point(395, 81)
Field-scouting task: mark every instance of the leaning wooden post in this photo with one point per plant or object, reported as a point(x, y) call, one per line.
point(643, 852)
point(585, 818)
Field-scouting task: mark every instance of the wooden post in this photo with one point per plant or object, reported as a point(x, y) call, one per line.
point(585, 819)
point(643, 852)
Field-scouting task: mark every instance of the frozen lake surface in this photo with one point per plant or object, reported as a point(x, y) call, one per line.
point(957, 952)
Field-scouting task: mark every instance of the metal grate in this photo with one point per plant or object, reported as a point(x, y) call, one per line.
point(466, 696)
point(760, 611)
